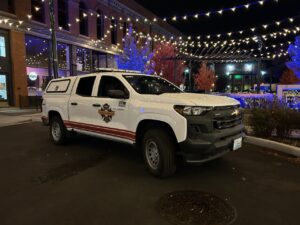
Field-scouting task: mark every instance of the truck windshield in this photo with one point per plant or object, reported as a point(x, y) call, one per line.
point(151, 85)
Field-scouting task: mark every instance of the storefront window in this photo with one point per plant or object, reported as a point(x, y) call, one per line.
point(83, 60)
point(111, 61)
point(63, 52)
point(2, 47)
point(99, 60)
point(37, 61)
point(3, 88)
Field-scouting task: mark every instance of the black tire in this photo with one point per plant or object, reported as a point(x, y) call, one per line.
point(59, 136)
point(165, 145)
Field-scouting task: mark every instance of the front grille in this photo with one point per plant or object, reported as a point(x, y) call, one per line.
point(227, 122)
point(226, 107)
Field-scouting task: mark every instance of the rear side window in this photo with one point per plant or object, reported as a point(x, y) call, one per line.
point(85, 86)
point(58, 86)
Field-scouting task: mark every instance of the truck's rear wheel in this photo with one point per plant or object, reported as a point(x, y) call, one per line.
point(158, 150)
point(58, 131)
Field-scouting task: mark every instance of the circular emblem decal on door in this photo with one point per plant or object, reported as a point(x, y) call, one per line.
point(106, 113)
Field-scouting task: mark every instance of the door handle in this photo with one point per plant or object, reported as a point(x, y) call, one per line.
point(74, 103)
point(96, 105)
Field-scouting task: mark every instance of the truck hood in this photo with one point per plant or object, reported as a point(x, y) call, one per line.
point(193, 99)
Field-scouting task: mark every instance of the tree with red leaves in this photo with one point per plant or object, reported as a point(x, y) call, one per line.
point(166, 67)
point(205, 78)
point(288, 77)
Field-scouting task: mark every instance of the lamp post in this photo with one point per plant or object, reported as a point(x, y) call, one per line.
point(259, 62)
point(53, 39)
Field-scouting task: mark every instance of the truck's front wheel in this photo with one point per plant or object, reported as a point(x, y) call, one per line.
point(158, 149)
point(57, 131)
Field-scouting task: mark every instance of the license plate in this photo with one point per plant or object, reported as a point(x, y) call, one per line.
point(237, 143)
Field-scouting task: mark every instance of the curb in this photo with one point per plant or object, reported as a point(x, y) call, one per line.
point(16, 123)
point(284, 148)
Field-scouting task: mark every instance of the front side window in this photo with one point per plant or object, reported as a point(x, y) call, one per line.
point(151, 85)
point(2, 47)
point(108, 83)
point(85, 86)
point(38, 10)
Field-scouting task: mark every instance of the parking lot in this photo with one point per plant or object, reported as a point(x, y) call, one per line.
point(93, 181)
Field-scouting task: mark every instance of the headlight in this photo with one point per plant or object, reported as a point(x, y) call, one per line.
point(191, 110)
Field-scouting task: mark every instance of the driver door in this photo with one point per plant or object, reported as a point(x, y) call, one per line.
point(112, 114)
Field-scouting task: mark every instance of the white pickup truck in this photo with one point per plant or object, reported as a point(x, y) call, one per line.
point(146, 111)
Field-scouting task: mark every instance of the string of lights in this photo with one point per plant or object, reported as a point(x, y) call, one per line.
point(181, 41)
point(219, 12)
point(284, 32)
point(163, 37)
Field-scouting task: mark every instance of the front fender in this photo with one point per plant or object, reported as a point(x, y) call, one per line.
point(178, 125)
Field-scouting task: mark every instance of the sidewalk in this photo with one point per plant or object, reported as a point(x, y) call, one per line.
point(13, 116)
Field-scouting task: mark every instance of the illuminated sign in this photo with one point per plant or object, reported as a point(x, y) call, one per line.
point(32, 76)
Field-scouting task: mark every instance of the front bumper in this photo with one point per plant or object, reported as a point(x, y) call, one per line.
point(211, 146)
point(45, 120)
point(208, 138)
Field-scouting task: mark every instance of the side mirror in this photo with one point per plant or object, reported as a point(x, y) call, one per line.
point(119, 94)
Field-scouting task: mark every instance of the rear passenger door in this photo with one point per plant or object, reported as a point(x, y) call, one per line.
point(81, 103)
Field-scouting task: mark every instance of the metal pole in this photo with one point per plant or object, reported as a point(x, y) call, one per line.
point(53, 39)
point(174, 71)
point(258, 75)
point(271, 81)
point(190, 76)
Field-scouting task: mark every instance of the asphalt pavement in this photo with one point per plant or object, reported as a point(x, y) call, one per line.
point(91, 181)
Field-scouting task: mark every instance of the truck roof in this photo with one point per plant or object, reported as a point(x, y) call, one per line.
point(105, 71)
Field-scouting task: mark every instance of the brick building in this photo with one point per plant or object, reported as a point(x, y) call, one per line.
point(89, 35)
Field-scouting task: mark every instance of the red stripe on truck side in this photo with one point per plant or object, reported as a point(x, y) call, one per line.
point(102, 130)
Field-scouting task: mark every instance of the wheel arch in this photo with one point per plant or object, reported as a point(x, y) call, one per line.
point(147, 124)
point(53, 113)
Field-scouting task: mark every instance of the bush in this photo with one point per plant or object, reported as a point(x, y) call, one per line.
point(274, 116)
point(262, 122)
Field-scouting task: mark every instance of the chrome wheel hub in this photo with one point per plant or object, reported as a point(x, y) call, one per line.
point(152, 154)
point(56, 131)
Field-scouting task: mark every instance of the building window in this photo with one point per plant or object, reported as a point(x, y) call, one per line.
point(3, 88)
point(125, 27)
point(99, 25)
point(114, 31)
point(83, 19)
point(125, 30)
point(38, 10)
point(63, 14)
point(2, 47)
point(7, 6)
point(83, 56)
point(37, 64)
point(63, 53)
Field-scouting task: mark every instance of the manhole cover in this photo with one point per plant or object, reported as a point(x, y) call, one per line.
point(195, 208)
